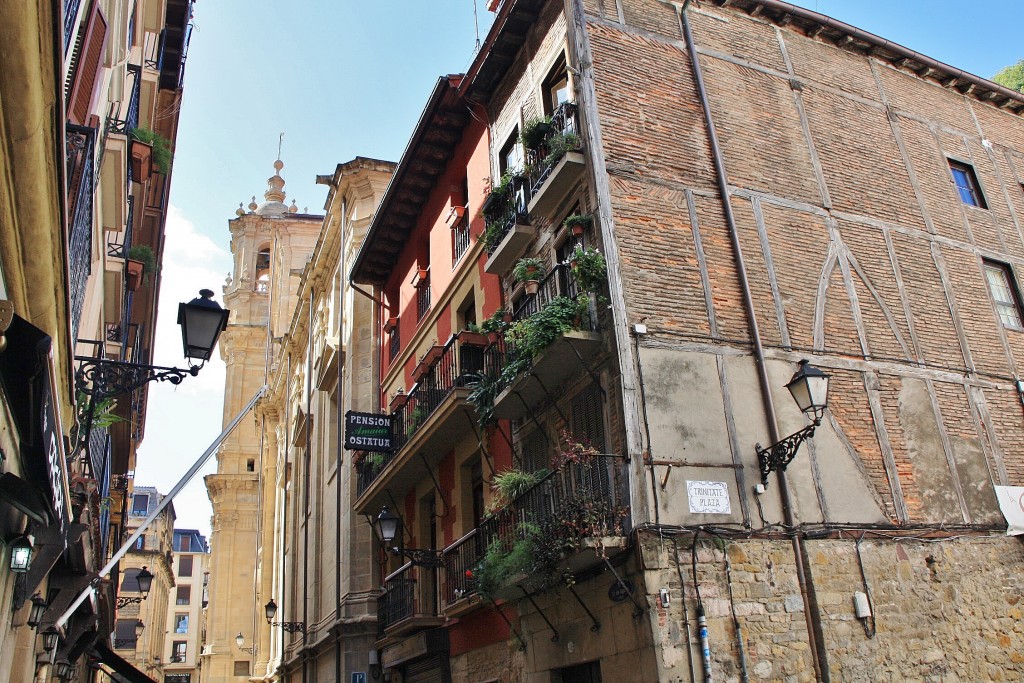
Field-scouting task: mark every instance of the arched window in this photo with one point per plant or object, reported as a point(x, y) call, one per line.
point(263, 270)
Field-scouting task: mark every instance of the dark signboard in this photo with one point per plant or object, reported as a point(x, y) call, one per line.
point(369, 432)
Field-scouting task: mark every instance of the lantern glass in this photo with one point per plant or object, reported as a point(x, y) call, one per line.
point(145, 579)
point(35, 613)
point(139, 628)
point(50, 638)
point(239, 640)
point(21, 554)
point(62, 668)
point(387, 525)
point(809, 388)
point(271, 610)
point(202, 320)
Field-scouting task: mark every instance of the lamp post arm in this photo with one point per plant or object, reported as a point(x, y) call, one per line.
point(63, 619)
point(102, 378)
point(780, 454)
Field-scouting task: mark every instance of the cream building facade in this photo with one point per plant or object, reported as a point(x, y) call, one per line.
point(265, 510)
point(186, 608)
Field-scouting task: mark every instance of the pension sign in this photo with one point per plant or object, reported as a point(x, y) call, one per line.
point(369, 432)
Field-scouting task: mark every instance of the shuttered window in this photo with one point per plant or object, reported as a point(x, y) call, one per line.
point(535, 453)
point(588, 417)
point(87, 66)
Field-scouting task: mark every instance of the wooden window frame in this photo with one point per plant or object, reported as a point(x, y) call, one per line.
point(1009, 311)
point(969, 192)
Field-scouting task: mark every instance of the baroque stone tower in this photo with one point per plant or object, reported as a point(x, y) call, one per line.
point(271, 243)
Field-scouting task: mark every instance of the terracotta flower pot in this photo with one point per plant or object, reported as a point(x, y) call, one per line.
point(141, 161)
point(133, 274)
point(531, 286)
point(577, 230)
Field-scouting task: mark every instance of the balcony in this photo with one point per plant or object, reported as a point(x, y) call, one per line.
point(434, 416)
point(175, 39)
point(508, 230)
point(123, 116)
point(562, 520)
point(81, 189)
point(564, 357)
point(409, 602)
point(557, 163)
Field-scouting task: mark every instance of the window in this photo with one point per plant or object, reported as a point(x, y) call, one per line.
point(124, 634)
point(140, 542)
point(511, 156)
point(556, 87)
point(536, 454)
point(178, 678)
point(476, 482)
point(140, 505)
point(263, 270)
point(581, 673)
point(178, 651)
point(181, 623)
point(185, 565)
point(967, 184)
point(1003, 288)
point(250, 465)
point(184, 595)
point(241, 668)
point(423, 294)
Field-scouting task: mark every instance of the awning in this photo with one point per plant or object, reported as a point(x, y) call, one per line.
point(123, 670)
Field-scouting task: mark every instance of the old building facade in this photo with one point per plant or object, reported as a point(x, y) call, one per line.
point(716, 191)
point(89, 89)
point(186, 610)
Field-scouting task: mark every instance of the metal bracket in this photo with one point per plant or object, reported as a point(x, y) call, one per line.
point(522, 643)
point(597, 624)
point(779, 455)
point(102, 379)
point(437, 486)
point(526, 594)
point(639, 608)
point(291, 626)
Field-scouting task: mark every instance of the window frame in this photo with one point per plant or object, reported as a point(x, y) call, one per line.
point(1000, 305)
point(505, 155)
point(972, 186)
point(558, 72)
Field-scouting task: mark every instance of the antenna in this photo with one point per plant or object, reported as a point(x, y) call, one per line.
point(280, 142)
point(476, 25)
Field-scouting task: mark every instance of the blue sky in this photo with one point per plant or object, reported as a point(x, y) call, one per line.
point(347, 78)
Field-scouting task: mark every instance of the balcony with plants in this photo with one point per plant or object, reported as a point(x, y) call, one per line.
point(434, 414)
point(507, 229)
point(553, 330)
point(554, 158)
point(409, 601)
point(546, 529)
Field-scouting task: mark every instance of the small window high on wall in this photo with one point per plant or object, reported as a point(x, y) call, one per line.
point(1005, 295)
point(556, 87)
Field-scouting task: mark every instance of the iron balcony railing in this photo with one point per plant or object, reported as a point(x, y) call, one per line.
point(153, 50)
point(507, 209)
point(409, 593)
point(558, 282)
point(80, 158)
point(125, 643)
point(553, 497)
point(458, 365)
point(70, 15)
point(119, 243)
point(123, 116)
point(394, 344)
point(423, 297)
point(539, 160)
point(460, 239)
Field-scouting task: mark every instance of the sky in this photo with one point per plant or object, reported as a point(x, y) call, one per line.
point(347, 78)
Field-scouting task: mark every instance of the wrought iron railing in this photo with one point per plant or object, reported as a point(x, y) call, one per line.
point(423, 297)
point(123, 116)
point(558, 282)
point(153, 50)
point(118, 243)
point(409, 592)
point(598, 479)
point(539, 160)
point(70, 15)
point(502, 211)
point(394, 344)
point(458, 365)
point(80, 160)
point(460, 237)
point(125, 643)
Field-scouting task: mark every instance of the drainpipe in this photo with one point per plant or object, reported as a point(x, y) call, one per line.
point(814, 632)
point(305, 487)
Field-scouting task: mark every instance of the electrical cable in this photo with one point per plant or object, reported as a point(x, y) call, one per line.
point(869, 631)
point(686, 614)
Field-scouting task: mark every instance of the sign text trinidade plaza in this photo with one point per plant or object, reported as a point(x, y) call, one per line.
point(368, 432)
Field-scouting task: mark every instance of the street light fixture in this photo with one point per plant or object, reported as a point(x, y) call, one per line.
point(35, 613)
point(51, 636)
point(139, 628)
point(288, 626)
point(63, 669)
point(202, 320)
point(809, 388)
point(21, 553)
point(388, 526)
point(145, 581)
point(240, 641)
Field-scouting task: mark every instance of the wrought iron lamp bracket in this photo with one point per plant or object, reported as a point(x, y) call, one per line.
point(250, 650)
point(431, 559)
point(101, 379)
point(290, 626)
point(123, 602)
point(780, 454)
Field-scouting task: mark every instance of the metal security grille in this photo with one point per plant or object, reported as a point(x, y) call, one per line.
point(80, 142)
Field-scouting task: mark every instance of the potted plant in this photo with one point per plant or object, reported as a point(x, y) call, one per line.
point(161, 148)
point(494, 326)
point(140, 264)
point(473, 335)
point(390, 324)
point(558, 145)
point(534, 132)
point(588, 267)
point(577, 223)
point(141, 161)
point(529, 271)
point(398, 400)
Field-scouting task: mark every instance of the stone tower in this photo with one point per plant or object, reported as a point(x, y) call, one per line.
point(270, 243)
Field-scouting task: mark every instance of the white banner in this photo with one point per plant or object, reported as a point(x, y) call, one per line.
point(1011, 502)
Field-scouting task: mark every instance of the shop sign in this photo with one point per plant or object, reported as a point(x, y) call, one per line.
point(369, 432)
point(53, 442)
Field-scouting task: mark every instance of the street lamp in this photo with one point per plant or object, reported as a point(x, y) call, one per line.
point(21, 553)
point(240, 641)
point(51, 636)
point(202, 320)
point(35, 613)
point(63, 669)
point(139, 628)
point(809, 388)
point(388, 526)
point(288, 626)
point(145, 581)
